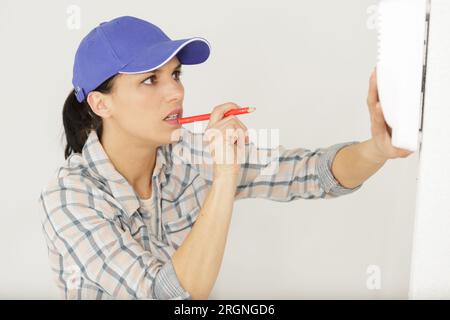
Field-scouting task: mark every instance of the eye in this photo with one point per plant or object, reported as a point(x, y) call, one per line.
point(152, 78)
point(177, 74)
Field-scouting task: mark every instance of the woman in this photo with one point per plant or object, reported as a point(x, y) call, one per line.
point(123, 219)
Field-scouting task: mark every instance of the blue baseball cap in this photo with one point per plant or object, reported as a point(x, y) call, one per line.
point(129, 45)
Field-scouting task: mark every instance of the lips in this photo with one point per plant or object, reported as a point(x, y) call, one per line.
point(174, 114)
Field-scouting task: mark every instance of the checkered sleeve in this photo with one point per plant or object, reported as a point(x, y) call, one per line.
point(97, 247)
point(279, 173)
point(282, 174)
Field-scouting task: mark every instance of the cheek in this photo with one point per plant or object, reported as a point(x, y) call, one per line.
point(143, 118)
point(140, 117)
point(140, 104)
point(140, 114)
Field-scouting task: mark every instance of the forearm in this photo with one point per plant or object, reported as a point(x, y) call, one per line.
point(356, 163)
point(197, 262)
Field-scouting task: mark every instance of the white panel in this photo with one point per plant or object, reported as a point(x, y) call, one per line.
point(402, 31)
point(430, 272)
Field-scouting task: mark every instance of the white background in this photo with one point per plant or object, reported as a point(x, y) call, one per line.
point(304, 65)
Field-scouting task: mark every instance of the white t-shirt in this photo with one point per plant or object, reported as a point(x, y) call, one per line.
point(148, 206)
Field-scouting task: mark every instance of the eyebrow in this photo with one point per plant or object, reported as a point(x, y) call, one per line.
point(158, 70)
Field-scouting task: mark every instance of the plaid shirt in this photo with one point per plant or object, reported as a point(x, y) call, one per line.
point(103, 244)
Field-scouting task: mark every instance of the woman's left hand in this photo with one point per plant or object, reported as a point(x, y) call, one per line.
point(381, 132)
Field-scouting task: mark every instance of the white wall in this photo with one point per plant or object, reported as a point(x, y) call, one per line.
point(304, 65)
point(430, 276)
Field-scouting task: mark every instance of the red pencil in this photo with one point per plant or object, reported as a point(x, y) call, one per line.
point(206, 116)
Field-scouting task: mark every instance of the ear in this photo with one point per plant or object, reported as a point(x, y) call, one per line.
point(99, 103)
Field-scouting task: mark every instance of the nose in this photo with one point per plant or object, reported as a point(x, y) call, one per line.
point(174, 92)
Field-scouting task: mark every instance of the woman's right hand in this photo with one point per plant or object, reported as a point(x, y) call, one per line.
point(226, 138)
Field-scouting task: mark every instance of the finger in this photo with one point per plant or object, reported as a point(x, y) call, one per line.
point(375, 83)
point(224, 121)
point(240, 150)
point(221, 131)
point(234, 131)
point(402, 153)
point(233, 124)
point(379, 125)
point(218, 112)
point(245, 130)
point(225, 146)
point(372, 97)
point(214, 129)
point(241, 137)
point(231, 120)
point(389, 130)
point(241, 124)
point(228, 127)
point(230, 133)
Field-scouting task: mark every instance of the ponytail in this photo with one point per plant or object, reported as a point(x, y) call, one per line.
point(79, 120)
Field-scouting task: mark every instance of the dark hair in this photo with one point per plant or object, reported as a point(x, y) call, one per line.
point(79, 119)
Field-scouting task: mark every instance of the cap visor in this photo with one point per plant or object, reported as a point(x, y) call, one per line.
point(188, 51)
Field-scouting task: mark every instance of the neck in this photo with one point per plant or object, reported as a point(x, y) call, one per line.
point(134, 159)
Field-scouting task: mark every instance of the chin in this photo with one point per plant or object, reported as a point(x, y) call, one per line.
point(174, 135)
